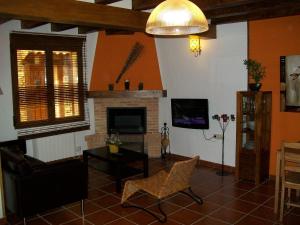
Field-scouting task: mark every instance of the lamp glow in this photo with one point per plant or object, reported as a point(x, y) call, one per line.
point(195, 44)
point(176, 17)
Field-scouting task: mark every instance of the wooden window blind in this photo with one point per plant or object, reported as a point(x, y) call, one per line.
point(49, 85)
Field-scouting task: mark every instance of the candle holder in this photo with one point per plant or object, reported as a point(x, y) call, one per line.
point(127, 85)
point(223, 121)
point(165, 140)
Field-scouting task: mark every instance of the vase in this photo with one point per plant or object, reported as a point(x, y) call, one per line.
point(113, 148)
point(255, 86)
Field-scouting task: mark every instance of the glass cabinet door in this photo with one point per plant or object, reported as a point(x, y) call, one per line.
point(248, 122)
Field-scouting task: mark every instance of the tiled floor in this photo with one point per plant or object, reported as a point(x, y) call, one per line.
point(225, 202)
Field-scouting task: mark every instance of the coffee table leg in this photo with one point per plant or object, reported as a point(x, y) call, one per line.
point(118, 178)
point(146, 167)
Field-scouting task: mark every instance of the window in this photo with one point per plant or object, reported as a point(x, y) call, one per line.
point(48, 84)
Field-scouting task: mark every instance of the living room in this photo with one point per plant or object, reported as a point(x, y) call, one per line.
point(216, 74)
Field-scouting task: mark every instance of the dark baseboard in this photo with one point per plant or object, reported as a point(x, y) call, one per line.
point(204, 163)
point(228, 169)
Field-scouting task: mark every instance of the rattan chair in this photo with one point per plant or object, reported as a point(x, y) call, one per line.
point(290, 173)
point(162, 185)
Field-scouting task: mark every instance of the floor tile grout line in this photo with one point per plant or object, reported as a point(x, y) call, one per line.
point(207, 216)
point(42, 218)
point(248, 214)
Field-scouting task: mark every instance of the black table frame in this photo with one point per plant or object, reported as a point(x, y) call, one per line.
point(119, 163)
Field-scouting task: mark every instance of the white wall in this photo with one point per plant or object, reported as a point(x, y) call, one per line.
point(7, 130)
point(216, 74)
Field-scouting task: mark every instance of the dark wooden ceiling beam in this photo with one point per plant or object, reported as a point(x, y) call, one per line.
point(27, 24)
point(3, 20)
point(211, 33)
point(259, 14)
point(74, 12)
point(106, 1)
point(249, 8)
point(226, 11)
point(57, 27)
point(87, 30)
point(118, 32)
point(203, 4)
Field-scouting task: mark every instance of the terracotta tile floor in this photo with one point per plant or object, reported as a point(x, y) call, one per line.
point(226, 201)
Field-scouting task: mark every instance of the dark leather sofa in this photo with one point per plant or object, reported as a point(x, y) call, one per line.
point(32, 186)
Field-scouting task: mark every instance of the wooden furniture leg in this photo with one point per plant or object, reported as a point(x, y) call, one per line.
point(277, 183)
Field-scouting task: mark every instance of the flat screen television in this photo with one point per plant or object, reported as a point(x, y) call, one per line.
point(190, 113)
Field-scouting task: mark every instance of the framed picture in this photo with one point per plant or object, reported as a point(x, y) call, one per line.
point(290, 83)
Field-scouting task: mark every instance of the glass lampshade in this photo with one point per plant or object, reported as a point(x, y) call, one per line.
point(176, 17)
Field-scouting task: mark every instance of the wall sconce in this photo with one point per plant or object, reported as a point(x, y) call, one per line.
point(195, 45)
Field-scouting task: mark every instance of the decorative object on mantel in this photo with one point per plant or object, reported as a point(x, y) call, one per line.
point(176, 17)
point(113, 141)
point(195, 45)
point(223, 121)
point(110, 87)
point(132, 57)
point(165, 140)
point(128, 94)
point(141, 86)
point(127, 85)
point(257, 73)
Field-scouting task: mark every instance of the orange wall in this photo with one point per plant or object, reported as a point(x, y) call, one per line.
point(110, 56)
point(268, 40)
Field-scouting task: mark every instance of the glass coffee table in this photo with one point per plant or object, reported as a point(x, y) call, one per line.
point(117, 164)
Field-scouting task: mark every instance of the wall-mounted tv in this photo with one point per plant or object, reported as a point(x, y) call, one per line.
point(190, 113)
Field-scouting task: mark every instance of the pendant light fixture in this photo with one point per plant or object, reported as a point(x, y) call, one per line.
point(176, 17)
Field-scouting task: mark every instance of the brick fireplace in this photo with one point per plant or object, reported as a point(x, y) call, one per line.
point(152, 136)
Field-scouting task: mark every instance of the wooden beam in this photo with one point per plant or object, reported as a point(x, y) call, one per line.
point(203, 4)
point(86, 30)
point(210, 34)
point(118, 32)
point(145, 4)
point(74, 12)
point(259, 14)
point(248, 7)
point(227, 11)
point(27, 24)
point(106, 1)
point(3, 20)
point(57, 27)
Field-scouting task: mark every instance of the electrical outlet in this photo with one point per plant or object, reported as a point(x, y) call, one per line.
point(218, 136)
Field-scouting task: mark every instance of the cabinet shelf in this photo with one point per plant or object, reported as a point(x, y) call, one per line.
point(253, 135)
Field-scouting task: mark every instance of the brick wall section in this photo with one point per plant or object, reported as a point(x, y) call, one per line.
point(152, 137)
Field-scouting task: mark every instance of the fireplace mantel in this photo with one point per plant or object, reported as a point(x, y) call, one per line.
point(128, 94)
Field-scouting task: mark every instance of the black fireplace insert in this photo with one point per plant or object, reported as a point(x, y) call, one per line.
point(126, 120)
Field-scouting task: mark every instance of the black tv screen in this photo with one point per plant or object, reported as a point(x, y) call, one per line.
point(190, 113)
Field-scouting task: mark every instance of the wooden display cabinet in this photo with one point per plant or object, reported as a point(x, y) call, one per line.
point(253, 133)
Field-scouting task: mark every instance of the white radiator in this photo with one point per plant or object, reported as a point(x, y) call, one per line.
point(54, 147)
